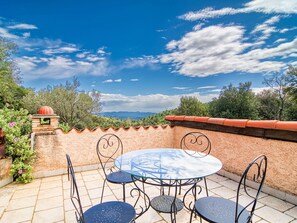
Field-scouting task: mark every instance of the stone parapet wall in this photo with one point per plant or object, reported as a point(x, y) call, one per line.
point(81, 146)
point(236, 151)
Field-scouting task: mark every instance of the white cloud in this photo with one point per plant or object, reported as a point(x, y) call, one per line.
point(60, 50)
point(267, 28)
point(82, 55)
point(118, 80)
point(180, 88)
point(59, 67)
point(206, 87)
point(134, 79)
point(102, 51)
point(280, 40)
point(146, 103)
point(218, 49)
point(210, 13)
point(6, 34)
point(93, 58)
point(26, 34)
point(263, 6)
point(215, 90)
point(142, 61)
point(108, 81)
point(272, 6)
point(25, 64)
point(23, 26)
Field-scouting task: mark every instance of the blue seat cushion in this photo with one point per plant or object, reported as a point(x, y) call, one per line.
point(220, 210)
point(110, 212)
point(119, 177)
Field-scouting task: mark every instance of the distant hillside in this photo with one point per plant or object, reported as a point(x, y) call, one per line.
point(126, 115)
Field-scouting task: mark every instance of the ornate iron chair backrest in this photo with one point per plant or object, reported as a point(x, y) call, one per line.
point(256, 172)
point(74, 194)
point(196, 144)
point(108, 148)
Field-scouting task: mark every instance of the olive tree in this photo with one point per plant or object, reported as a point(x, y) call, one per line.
point(74, 107)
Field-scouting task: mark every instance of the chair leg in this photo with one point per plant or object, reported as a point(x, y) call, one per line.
point(191, 216)
point(206, 186)
point(102, 190)
point(124, 192)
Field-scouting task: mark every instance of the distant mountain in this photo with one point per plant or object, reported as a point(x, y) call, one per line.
point(126, 115)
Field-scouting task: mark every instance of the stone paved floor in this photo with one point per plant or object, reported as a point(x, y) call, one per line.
point(47, 200)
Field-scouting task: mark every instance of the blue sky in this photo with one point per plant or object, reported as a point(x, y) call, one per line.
point(145, 55)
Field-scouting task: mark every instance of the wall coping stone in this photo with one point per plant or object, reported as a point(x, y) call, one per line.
point(272, 129)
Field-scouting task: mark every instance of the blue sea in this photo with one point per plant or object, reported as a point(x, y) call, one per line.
point(126, 115)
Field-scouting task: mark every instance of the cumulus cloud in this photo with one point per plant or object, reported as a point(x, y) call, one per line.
point(262, 6)
point(272, 6)
point(23, 26)
point(146, 103)
point(223, 49)
point(134, 80)
point(59, 67)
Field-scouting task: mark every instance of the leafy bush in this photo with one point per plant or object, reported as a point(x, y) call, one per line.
point(17, 128)
point(65, 127)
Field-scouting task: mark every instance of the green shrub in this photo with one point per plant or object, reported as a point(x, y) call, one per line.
point(17, 128)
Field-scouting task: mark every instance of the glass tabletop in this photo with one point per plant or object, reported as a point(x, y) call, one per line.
point(167, 164)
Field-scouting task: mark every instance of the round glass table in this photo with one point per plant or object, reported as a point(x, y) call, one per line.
point(168, 167)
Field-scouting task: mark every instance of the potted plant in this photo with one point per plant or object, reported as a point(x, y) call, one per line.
point(2, 144)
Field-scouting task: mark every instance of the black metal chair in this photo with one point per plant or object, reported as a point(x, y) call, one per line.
point(221, 210)
point(112, 211)
point(108, 148)
point(199, 146)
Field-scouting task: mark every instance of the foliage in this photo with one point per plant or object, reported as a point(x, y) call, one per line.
point(65, 127)
point(17, 128)
point(235, 102)
point(10, 92)
point(292, 82)
point(269, 105)
point(278, 83)
point(291, 113)
point(191, 106)
point(74, 108)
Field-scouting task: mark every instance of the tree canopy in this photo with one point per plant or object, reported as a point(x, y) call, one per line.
point(190, 105)
point(74, 108)
point(10, 92)
point(235, 102)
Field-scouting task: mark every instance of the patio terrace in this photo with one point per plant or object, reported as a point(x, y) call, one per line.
point(47, 200)
point(234, 142)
